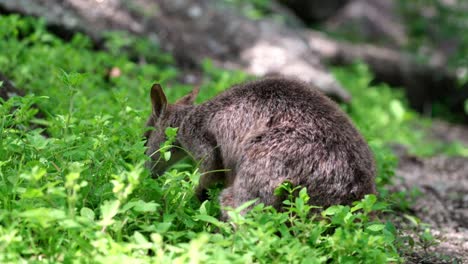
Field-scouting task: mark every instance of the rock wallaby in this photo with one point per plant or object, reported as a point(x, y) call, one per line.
point(261, 134)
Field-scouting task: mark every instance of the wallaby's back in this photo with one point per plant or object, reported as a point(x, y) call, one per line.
point(274, 130)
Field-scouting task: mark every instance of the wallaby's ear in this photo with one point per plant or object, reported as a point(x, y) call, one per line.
point(189, 98)
point(158, 100)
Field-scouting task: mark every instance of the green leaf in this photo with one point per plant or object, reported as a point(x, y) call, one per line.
point(163, 227)
point(208, 219)
point(203, 209)
point(332, 210)
point(284, 188)
point(413, 219)
point(139, 238)
point(108, 210)
point(171, 132)
point(367, 203)
point(146, 207)
point(167, 155)
point(390, 227)
point(246, 205)
point(72, 79)
point(376, 227)
point(87, 213)
point(397, 109)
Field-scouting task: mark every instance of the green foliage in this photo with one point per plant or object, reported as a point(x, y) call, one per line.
point(383, 116)
point(417, 237)
point(82, 194)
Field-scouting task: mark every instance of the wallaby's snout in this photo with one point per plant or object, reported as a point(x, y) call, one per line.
point(164, 115)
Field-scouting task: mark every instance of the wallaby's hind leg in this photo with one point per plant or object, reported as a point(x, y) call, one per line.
point(248, 186)
point(233, 197)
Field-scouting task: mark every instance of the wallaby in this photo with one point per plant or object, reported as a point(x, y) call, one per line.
point(262, 133)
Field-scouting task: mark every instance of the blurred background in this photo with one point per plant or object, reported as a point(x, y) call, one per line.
point(420, 46)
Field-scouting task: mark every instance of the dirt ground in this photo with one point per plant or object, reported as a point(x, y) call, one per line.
point(443, 203)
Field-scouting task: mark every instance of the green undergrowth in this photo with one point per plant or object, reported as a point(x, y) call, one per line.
point(383, 115)
point(73, 187)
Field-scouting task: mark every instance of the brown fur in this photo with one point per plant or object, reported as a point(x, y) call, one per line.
point(266, 132)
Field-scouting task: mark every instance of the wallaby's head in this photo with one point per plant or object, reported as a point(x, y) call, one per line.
point(165, 115)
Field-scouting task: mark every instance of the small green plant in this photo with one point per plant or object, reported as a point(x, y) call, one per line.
point(426, 240)
point(416, 238)
point(164, 150)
